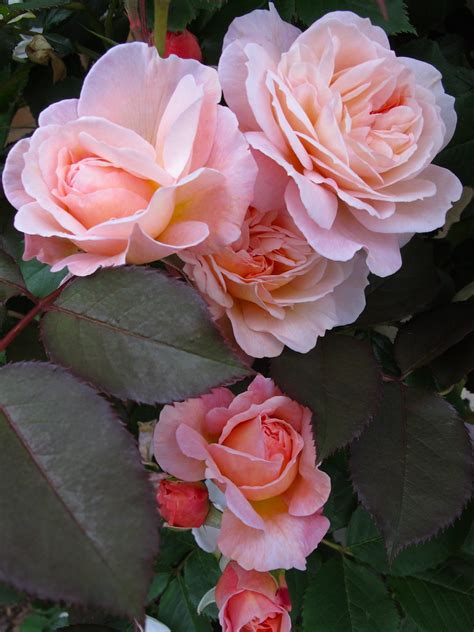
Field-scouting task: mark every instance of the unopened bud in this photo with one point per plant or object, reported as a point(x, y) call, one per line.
point(183, 504)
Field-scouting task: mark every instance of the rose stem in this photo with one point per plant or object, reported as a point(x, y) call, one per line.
point(161, 25)
point(27, 318)
point(337, 547)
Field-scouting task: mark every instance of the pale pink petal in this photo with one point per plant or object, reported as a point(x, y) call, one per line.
point(243, 609)
point(59, 113)
point(11, 177)
point(244, 469)
point(230, 155)
point(429, 77)
point(131, 85)
point(235, 579)
point(272, 34)
point(258, 344)
point(421, 215)
point(284, 542)
point(191, 413)
point(143, 249)
point(84, 264)
point(350, 22)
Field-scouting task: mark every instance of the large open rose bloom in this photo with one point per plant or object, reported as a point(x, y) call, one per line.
point(275, 289)
point(251, 602)
point(354, 126)
point(258, 449)
point(144, 164)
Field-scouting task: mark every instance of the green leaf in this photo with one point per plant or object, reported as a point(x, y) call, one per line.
point(83, 527)
point(406, 292)
point(342, 500)
point(438, 601)
point(310, 10)
point(9, 595)
point(177, 612)
point(346, 597)
point(11, 281)
point(139, 334)
point(175, 546)
point(365, 542)
point(411, 467)
point(39, 279)
point(457, 80)
point(158, 586)
point(286, 9)
point(428, 335)
point(339, 380)
point(450, 367)
point(201, 573)
point(35, 5)
point(459, 158)
point(26, 345)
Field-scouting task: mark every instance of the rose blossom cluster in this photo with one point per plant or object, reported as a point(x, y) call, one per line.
point(256, 450)
point(317, 170)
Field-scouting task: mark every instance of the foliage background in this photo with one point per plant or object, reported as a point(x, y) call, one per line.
point(391, 416)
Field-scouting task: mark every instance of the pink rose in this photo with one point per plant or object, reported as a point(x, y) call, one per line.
point(258, 449)
point(251, 601)
point(274, 289)
point(183, 504)
point(354, 127)
point(144, 164)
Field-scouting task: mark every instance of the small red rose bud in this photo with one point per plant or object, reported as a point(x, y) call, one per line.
point(183, 504)
point(183, 45)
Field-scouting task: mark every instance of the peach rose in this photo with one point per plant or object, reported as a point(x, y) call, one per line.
point(251, 601)
point(258, 449)
point(144, 164)
point(354, 127)
point(274, 289)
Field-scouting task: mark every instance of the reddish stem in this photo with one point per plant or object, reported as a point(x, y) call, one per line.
point(27, 318)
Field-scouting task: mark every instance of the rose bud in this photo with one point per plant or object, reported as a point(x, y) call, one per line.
point(183, 45)
point(248, 600)
point(183, 504)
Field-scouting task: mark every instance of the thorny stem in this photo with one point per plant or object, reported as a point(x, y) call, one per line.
point(27, 318)
point(337, 547)
point(161, 25)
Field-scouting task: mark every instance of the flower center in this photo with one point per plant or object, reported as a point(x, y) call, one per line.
point(95, 191)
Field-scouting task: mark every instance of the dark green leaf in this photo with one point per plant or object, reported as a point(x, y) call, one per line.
point(78, 519)
point(201, 573)
point(27, 345)
point(9, 595)
point(365, 542)
point(286, 9)
point(428, 335)
point(11, 281)
point(175, 546)
point(459, 158)
point(412, 466)
point(342, 500)
point(450, 367)
point(406, 292)
point(139, 334)
point(158, 585)
point(339, 380)
point(346, 597)
point(456, 79)
point(177, 612)
point(310, 10)
point(437, 601)
point(39, 279)
point(35, 5)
